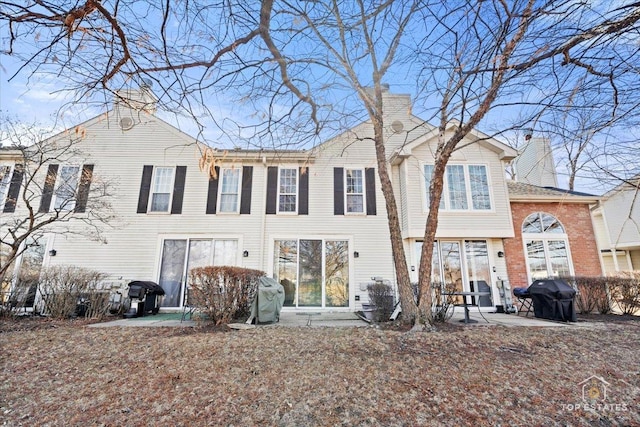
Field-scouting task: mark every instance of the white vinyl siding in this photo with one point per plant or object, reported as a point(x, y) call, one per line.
point(229, 190)
point(161, 189)
point(66, 187)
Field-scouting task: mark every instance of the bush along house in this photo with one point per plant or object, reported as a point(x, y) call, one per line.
point(313, 219)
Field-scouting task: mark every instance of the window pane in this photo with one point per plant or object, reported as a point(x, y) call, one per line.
point(337, 273)
point(5, 180)
point(559, 258)
point(355, 203)
point(536, 259)
point(67, 185)
point(550, 224)
point(171, 271)
point(428, 171)
point(286, 268)
point(532, 224)
point(287, 203)
point(457, 187)
point(355, 194)
point(225, 252)
point(310, 285)
point(229, 190)
point(288, 190)
point(161, 194)
point(479, 187)
point(478, 269)
point(354, 181)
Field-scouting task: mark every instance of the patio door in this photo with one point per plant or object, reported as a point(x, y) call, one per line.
point(461, 266)
point(179, 256)
point(314, 272)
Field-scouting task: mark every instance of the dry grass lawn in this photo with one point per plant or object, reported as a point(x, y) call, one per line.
point(66, 374)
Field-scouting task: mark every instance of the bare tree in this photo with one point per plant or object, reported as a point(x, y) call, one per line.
point(300, 66)
point(41, 196)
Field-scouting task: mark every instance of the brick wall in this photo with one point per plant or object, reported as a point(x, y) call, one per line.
point(576, 220)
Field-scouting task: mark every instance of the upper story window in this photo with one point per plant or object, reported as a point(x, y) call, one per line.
point(5, 181)
point(288, 190)
point(66, 187)
point(541, 222)
point(466, 187)
point(229, 190)
point(161, 189)
point(354, 180)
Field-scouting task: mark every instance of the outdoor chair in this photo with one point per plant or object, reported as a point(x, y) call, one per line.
point(525, 303)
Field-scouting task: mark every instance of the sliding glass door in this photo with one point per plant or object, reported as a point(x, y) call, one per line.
point(314, 272)
point(179, 256)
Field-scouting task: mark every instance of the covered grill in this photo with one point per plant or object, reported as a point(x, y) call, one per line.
point(553, 299)
point(147, 295)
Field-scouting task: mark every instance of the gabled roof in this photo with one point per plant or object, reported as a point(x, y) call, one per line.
point(629, 184)
point(521, 192)
point(504, 151)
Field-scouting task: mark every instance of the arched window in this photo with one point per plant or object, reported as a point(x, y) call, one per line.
point(546, 247)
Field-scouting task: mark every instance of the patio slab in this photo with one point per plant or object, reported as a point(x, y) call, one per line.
point(317, 319)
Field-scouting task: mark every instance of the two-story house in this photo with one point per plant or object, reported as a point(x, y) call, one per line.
point(617, 224)
point(314, 219)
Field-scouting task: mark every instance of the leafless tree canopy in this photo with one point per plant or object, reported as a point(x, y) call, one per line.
point(288, 71)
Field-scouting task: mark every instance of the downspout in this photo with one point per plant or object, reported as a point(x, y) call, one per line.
point(264, 217)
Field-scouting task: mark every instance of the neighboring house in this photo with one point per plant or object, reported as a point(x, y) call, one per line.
point(554, 234)
point(617, 222)
point(313, 219)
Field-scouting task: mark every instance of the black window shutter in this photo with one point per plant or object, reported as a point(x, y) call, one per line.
point(83, 188)
point(178, 190)
point(245, 197)
point(14, 188)
point(272, 189)
point(303, 191)
point(370, 183)
point(212, 192)
point(145, 188)
point(47, 190)
point(338, 191)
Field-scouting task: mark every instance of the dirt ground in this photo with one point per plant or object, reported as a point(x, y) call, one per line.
point(65, 373)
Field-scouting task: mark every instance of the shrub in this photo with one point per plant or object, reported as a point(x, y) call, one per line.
point(381, 296)
point(626, 291)
point(592, 294)
point(223, 293)
point(70, 291)
point(441, 303)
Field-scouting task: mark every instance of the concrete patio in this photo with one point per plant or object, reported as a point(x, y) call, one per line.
point(317, 319)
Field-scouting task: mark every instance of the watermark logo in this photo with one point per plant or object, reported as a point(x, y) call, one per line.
point(594, 389)
point(595, 392)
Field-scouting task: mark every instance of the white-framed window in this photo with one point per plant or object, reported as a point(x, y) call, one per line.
point(354, 194)
point(5, 181)
point(66, 188)
point(288, 190)
point(229, 190)
point(546, 247)
point(466, 188)
point(161, 189)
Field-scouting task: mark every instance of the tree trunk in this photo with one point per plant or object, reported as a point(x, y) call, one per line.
point(407, 301)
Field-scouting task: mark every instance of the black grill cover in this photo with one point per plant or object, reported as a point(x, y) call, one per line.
point(553, 299)
point(139, 288)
